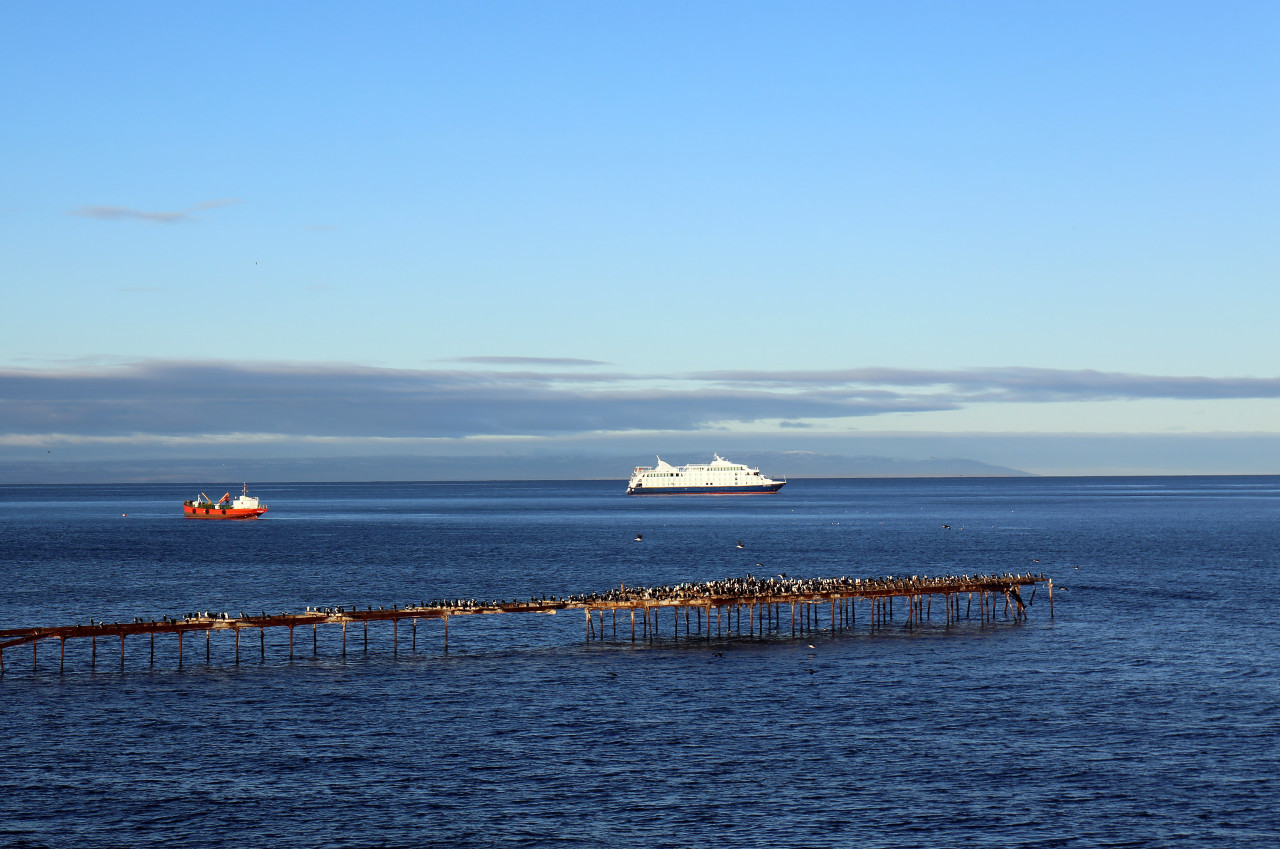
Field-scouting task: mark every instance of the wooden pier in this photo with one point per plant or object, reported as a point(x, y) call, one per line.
point(776, 607)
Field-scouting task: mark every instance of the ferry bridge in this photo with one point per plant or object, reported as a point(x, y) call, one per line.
point(708, 610)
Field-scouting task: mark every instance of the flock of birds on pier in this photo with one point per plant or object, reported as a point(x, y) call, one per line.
point(749, 586)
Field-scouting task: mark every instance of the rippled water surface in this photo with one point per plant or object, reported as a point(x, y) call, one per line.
point(1144, 713)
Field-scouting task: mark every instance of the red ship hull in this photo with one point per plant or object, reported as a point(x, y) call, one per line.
point(193, 512)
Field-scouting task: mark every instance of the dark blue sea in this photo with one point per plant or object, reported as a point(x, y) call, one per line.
point(1143, 713)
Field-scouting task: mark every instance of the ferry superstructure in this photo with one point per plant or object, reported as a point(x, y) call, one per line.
point(719, 477)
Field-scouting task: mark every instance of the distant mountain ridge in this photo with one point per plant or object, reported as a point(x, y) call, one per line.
point(809, 464)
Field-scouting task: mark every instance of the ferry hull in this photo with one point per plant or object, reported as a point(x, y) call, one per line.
point(222, 512)
point(766, 489)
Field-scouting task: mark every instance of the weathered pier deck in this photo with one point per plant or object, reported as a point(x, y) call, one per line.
point(707, 610)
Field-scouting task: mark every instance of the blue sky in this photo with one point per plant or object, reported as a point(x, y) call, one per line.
point(566, 227)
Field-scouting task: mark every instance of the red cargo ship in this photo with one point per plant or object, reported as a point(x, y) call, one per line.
point(244, 507)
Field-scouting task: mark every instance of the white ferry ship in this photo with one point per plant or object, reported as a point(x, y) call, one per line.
point(719, 477)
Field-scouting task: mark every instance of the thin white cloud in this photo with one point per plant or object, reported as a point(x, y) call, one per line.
point(1014, 384)
point(124, 213)
point(527, 361)
point(216, 204)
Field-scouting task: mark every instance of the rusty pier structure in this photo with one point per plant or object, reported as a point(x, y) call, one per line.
point(773, 608)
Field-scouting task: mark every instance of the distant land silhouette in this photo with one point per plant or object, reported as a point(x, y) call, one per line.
point(793, 464)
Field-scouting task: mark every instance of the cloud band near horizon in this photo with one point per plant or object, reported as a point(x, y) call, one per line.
point(187, 398)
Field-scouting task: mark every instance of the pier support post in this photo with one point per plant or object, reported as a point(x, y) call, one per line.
point(179, 649)
point(237, 630)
